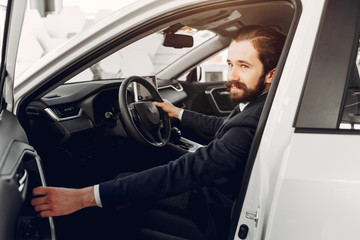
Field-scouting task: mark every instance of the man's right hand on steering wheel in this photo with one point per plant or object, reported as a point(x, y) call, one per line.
point(169, 108)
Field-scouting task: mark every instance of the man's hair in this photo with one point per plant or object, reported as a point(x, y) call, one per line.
point(267, 41)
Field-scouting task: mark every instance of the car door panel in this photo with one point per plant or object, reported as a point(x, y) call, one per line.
point(208, 97)
point(10, 173)
point(20, 171)
point(218, 97)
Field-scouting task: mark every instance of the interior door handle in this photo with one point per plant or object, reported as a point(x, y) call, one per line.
point(23, 181)
point(223, 93)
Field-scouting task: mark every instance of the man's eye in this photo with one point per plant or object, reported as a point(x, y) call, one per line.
point(244, 66)
point(230, 65)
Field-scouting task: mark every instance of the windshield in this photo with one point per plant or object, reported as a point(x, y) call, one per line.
point(43, 31)
point(144, 57)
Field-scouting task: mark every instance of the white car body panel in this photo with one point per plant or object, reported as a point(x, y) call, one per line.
point(318, 189)
point(304, 187)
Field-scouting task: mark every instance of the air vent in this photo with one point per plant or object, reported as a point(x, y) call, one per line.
point(177, 87)
point(64, 112)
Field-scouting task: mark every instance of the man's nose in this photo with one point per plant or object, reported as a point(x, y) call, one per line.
point(233, 75)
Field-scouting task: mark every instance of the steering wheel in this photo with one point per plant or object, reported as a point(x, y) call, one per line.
point(143, 120)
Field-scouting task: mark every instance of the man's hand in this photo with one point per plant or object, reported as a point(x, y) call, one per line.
point(169, 108)
point(61, 201)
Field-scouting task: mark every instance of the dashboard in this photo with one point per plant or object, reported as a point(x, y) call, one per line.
point(73, 108)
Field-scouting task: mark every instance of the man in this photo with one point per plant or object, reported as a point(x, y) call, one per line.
point(212, 175)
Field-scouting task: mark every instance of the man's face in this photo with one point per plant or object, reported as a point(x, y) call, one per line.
point(245, 76)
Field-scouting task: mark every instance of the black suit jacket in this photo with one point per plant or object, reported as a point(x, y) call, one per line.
point(214, 171)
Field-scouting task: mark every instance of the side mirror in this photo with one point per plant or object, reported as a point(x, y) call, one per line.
point(194, 75)
point(178, 40)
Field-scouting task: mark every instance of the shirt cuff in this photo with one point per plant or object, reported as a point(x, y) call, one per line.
point(180, 114)
point(97, 195)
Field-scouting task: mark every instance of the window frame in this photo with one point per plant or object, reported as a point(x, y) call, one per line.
point(322, 101)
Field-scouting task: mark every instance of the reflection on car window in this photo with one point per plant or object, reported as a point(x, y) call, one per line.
point(351, 109)
point(144, 57)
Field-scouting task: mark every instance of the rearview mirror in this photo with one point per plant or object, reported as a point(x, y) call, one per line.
point(178, 40)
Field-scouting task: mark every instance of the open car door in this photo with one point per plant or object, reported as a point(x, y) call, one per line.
point(20, 167)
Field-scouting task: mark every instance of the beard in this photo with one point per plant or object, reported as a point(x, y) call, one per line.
point(245, 94)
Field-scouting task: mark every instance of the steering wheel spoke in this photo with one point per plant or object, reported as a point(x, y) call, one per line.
point(142, 120)
point(159, 135)
point(152, 134)
point(133, 114)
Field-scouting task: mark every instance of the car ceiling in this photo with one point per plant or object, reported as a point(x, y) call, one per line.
point(225, 22)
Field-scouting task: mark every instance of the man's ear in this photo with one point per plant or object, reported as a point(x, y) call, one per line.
point(269, 76)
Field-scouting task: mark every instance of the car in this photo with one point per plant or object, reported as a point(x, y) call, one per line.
point(67, 118)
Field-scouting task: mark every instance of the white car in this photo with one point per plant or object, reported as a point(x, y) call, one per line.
point(63, 122)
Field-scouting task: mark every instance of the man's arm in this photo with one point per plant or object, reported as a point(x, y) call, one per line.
point(191, 171)
point(61, 201)
point(200, 122)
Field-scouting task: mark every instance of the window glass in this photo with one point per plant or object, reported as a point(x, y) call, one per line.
point(43, 31)
point(213, 69)
point(144, 57)
point(351, 109)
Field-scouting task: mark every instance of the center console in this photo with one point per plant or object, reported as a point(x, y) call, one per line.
point(183, 143)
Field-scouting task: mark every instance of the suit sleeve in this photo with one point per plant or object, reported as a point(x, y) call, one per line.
point(206, 124)
point(191, 171)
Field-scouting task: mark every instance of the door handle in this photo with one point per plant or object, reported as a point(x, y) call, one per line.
point(22, 181)
point(223, 93)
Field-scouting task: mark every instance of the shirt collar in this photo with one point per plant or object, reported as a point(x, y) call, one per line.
point(242, 106)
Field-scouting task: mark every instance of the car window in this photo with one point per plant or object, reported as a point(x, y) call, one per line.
point(329, 96)
point(144, 57)
point(213, 69)
point(44, 31)
point(351, 108)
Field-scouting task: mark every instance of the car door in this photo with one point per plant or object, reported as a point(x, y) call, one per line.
point(304, 181)
point(20, 166)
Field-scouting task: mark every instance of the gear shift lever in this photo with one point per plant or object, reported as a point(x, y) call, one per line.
point(175, 135)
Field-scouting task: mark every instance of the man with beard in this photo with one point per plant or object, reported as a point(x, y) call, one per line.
point(205, 182)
